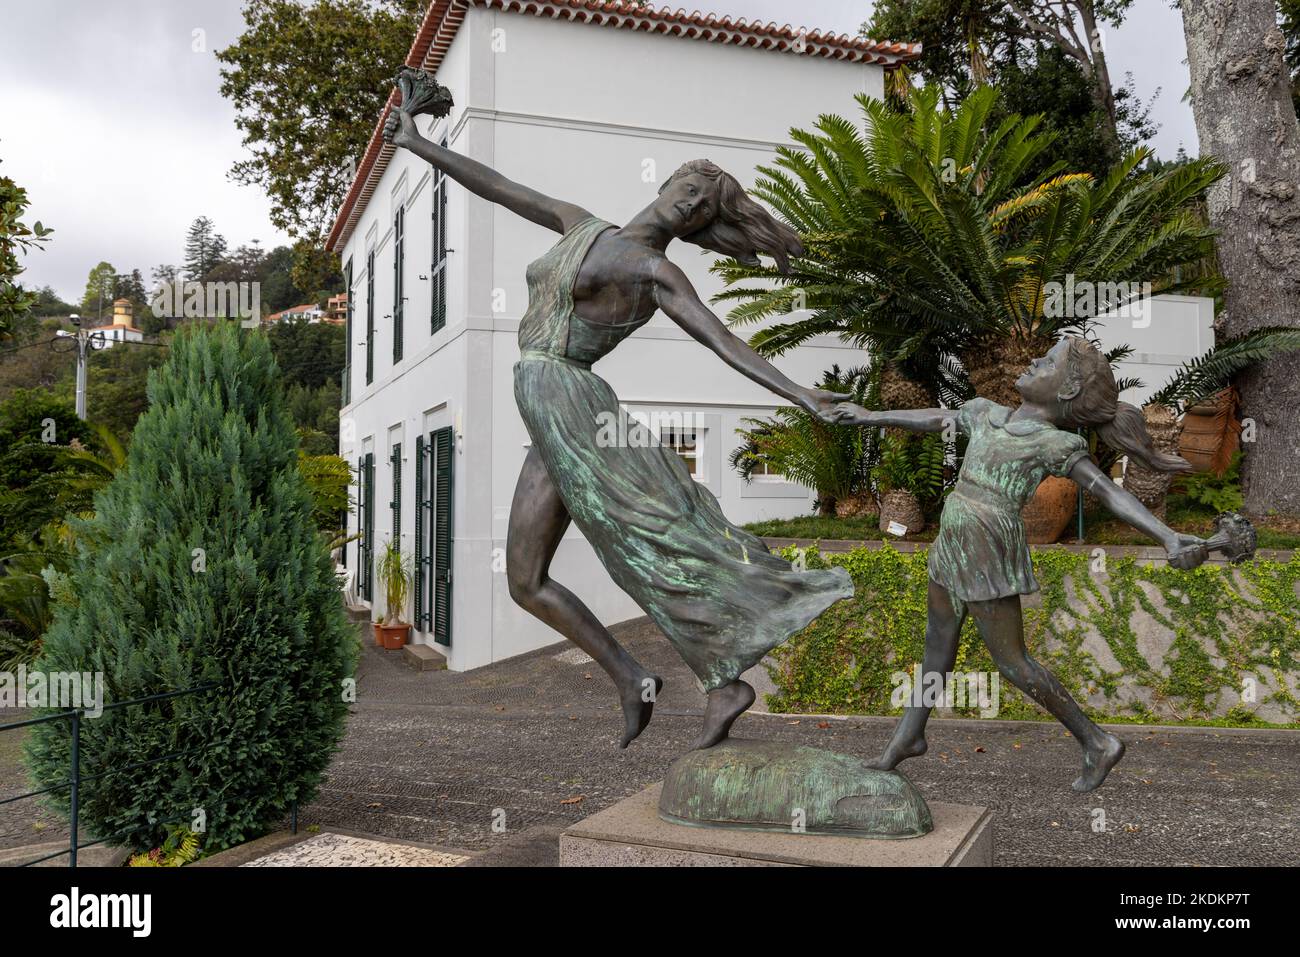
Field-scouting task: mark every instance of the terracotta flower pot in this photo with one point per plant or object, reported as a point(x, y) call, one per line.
point(1050, 510)
point(391, 637)
point(1211, 433)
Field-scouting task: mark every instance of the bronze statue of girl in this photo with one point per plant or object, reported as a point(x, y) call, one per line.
point(979, 563)
point(714, 589)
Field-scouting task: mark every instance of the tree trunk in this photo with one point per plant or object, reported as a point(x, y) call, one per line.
point(1241, 97)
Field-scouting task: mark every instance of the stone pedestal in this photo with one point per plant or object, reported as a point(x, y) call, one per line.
point(631, 834)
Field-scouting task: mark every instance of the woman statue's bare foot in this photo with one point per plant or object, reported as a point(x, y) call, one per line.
point(1097, 762)
point(726, 704)
point(638, 700)
point(897, 752)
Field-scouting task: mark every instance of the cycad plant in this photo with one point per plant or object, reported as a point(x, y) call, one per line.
point(833, 460)
point(930, 242)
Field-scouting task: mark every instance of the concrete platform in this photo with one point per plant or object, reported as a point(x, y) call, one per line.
point(630, 834)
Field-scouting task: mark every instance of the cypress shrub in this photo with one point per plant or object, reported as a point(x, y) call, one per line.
point(202, 565)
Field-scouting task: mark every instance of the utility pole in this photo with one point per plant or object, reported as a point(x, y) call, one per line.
point(84, 341)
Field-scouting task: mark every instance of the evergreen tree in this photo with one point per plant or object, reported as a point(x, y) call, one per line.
point(203, 565)
point(97, 300)
point(204, 248)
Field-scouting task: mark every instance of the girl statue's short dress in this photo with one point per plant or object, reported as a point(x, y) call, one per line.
point(714, 589)
point(981, 552)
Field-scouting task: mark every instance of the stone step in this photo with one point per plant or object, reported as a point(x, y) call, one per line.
point(423, 658)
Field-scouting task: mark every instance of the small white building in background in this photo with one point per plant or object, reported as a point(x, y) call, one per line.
point(594, 105)
point(120, 328)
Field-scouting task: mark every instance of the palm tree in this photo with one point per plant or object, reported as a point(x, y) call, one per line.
point(930, 243)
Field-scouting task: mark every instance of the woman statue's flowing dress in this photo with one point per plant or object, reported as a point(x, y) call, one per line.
point(714, 589)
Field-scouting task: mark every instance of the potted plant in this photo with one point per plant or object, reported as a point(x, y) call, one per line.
point(911, 470)
point(394, 573)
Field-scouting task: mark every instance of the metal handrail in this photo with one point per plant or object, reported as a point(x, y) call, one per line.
point(75, 777)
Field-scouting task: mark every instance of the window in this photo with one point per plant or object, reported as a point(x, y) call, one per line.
point(438, 268)
point(347, 340)
point(685, 443)
point(763, 470)
point(370, 317)
point(399, 256)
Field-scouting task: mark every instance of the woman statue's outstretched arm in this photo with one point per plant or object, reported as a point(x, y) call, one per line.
point(677, 298)
point(400, 130)
point(913, 420)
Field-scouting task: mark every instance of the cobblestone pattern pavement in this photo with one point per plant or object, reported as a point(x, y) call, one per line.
point(469, 759)
point(342, 850)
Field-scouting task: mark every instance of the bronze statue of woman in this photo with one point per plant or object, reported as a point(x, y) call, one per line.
point(980, 564)
point(719, 595)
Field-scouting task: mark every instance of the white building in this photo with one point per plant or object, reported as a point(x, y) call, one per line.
point(120, 328)
point(596, 105)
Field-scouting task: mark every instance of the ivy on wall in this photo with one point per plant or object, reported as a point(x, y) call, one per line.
point(1235, 640)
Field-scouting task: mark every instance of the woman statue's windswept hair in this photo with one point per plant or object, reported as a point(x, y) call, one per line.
point(742, 228)
point(1091, 398)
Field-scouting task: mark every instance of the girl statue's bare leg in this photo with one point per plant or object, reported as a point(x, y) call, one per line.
point(942, 628)
point(538, 520)
point(1002, 626)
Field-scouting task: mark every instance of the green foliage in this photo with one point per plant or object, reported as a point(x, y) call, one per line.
point(834, 460)
point(117, 381)
point(308, 81)
point(1048, 67)
point(97, 300)
point(328, 478)
point(912, 463)
point(180, 848)
point(927, 236)
point(1226, 625)
point(1221, 493)
point(257, 612)
point(204, 249)
point(1200, 378)
point(15, 237)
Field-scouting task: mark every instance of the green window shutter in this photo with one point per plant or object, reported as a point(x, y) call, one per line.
point(395, 460)
point(438, 268)
point(443, 459)
point(368, 529)
point(361, 527)
point(421, 526)
point(399, 263)
point(370, 318)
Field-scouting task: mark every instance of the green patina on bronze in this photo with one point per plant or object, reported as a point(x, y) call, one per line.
point(714, 589)
point(778, 786)
point(981, 551)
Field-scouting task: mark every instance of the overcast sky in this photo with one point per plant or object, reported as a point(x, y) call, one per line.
point(111, 119)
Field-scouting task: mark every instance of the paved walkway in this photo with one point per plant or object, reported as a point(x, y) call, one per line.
point(500, 759)
point(473, 760)
point(344, 850)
